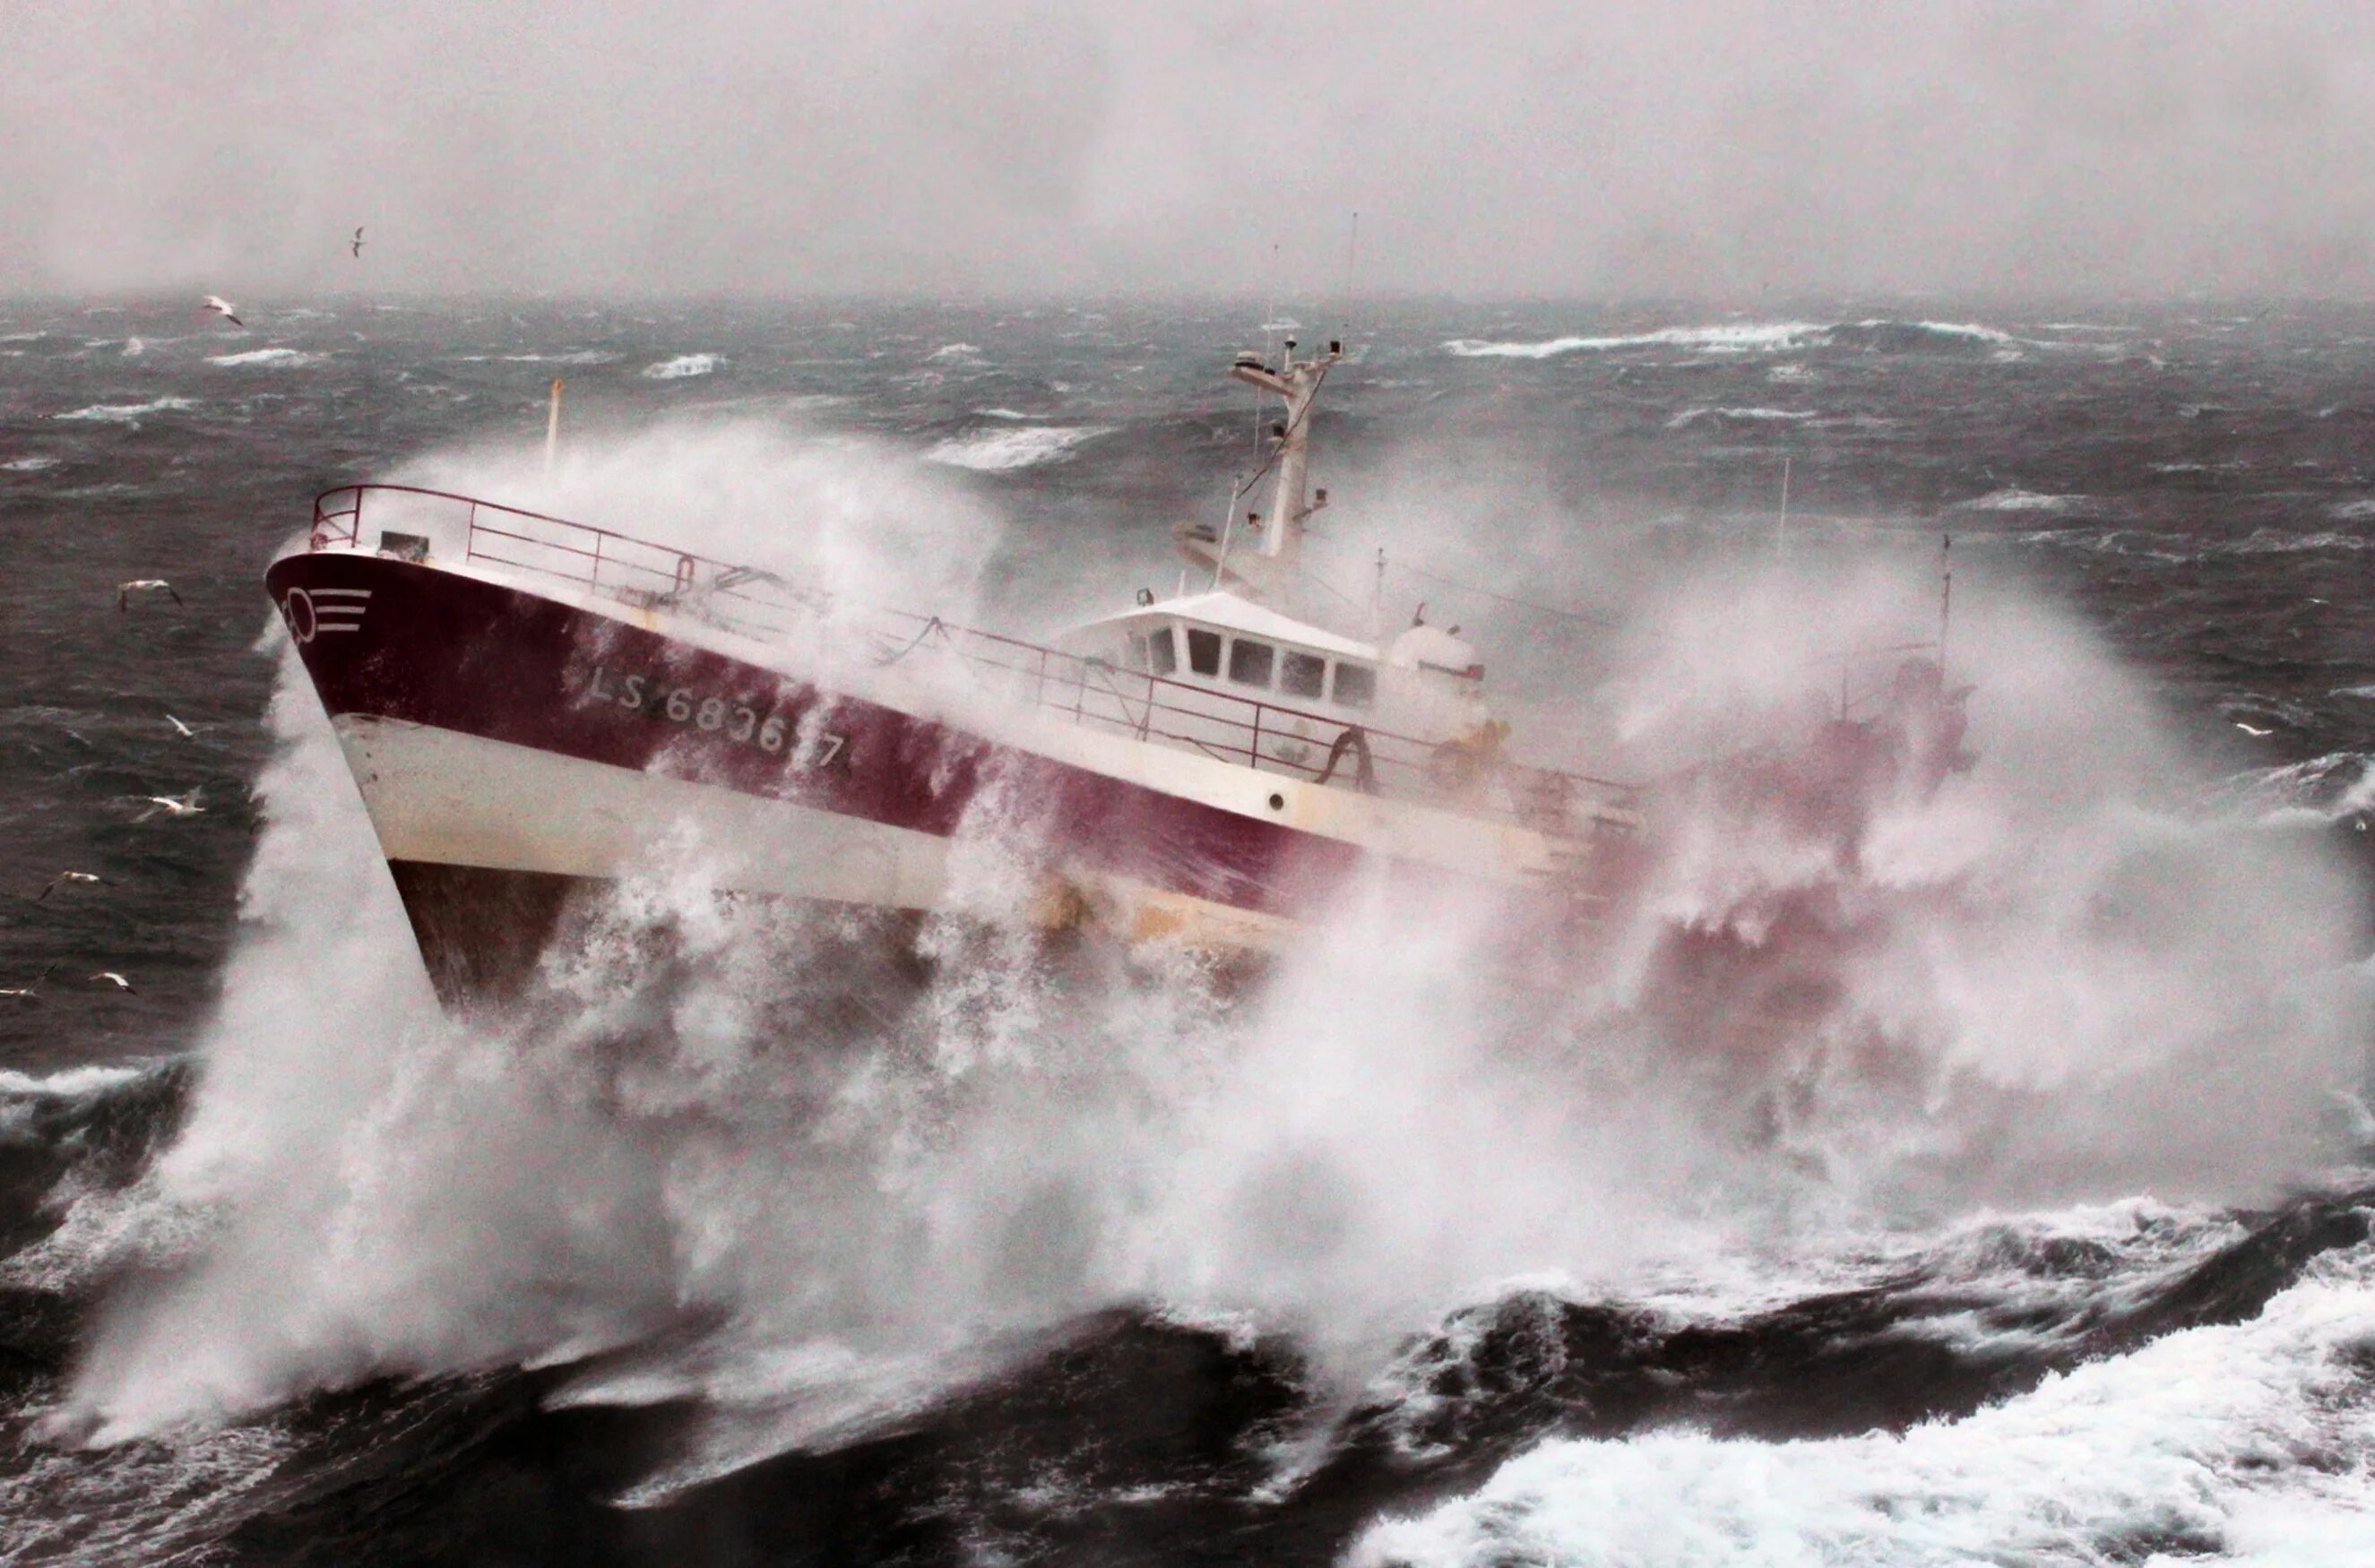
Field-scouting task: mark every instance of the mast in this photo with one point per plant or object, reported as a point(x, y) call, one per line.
point(1298, 385)
point(1260, 553)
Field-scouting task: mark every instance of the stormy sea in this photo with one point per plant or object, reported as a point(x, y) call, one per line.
point(2018, 1211)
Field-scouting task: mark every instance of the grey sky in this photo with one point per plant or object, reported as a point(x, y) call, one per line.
point(1702, 146)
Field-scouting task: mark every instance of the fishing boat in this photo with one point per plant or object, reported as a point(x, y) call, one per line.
point(536, 708)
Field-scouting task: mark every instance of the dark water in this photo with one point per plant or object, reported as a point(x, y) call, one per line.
point(2113, 1370)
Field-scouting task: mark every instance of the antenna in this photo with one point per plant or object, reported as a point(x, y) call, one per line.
point(1946, 600)
point(1352, 261)
point(552, 426)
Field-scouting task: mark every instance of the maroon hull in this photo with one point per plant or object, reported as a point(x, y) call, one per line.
point(462, 653)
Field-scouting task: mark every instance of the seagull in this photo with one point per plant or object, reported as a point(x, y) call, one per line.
point(124, 591)
point(2253, 733)
point(185, 731)
point(113, 979)
point(356, 244)
point(171, 806)
point(224, 309)
point(64, 877)
point(30, 993)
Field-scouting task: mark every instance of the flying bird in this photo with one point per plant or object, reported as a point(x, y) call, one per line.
point(64, 877)
point(185, 731)
point(124, 591)
point(30, 993)
point(224, 309)
point(2251, 731)
point(171, 806)
point(356, 244)
point(113, 979)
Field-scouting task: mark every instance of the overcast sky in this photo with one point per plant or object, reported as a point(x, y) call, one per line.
point(1721, 149)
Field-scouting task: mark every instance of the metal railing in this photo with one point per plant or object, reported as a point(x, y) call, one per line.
point(1246, 731)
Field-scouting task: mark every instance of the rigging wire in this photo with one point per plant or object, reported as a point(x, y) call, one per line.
point(1587, 618)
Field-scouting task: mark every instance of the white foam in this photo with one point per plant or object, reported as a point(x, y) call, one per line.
point(683, 365)
point(954, 351)
point(1960, 329)
point(71, 1083)
point(998, 451)
point(2219, 1438)
point(1692, 416)
point(28, 465)
point(134, 347)
point(1747, 338)
point(129, 413)
point(2012, 497)
point(279, 358)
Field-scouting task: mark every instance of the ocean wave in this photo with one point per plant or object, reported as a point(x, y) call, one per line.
point(1002, 414)
point(2012, 497)
point(1692, 416)
point(683, 365)
point(1742, 339)
point(282, 359)
point(134, 347)
point(28, 464)
point(1877, 335)
point(72, 1082)
point(129, 413)
point(2352, 510)
point(954, 351)
point(2279, 541)
point(1029, 447)
point(575, 357)
point(2213, 1437)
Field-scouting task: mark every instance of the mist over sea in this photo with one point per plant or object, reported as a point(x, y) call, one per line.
point(2029, 1225)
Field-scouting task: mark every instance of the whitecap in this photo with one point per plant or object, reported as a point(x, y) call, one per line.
point(129, 413)
point(1734, 338)
point(2354, 511)
point(954, 351)
point(996, 451)
point(2219, 1433)
point(28, 465)
point(134, 347)
point(683, 365)
point(69, 1083)
point(2012, 497)
point(283, 359)
point(1692, 416)
point(1002, 414)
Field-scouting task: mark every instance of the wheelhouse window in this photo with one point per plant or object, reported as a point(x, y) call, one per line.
point(1160, 656)
point(1249, 663)
point(1303, 675)
point(1356, 685)
point(1203, 652)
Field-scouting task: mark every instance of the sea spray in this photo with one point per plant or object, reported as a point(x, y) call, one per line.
point(816, 1186)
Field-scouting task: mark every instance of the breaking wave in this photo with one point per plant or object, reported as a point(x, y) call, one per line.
point(278, 358)
point(2012, 497)
point(1735, 339)
point(1875, 336)
point(1689, 416)
point(682, 366)
point(130, 413)
point(1029, 447)
point(2230, 1438)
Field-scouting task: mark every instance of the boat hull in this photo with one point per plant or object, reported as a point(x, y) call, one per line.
point(517, 750)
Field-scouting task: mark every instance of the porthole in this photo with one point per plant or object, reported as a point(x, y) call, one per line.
point(1278, 803)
